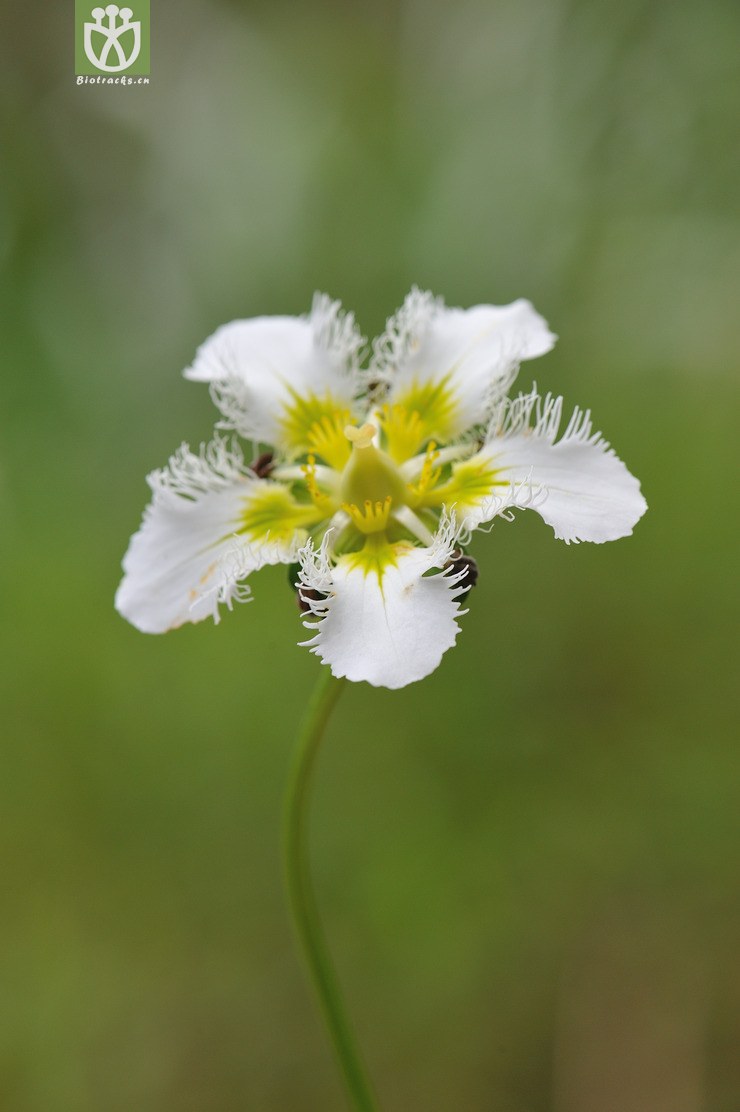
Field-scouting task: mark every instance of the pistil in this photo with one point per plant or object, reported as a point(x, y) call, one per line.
point(371, 476)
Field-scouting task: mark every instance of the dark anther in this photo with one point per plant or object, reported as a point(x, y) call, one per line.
point(459, 562)
point(303, 594)
point(262, 466)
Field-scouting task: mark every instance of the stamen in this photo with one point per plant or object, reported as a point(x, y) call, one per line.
point(305, 596)
point(263, 465)
point(464, 569)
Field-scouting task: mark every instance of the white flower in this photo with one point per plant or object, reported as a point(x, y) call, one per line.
point(375, 480)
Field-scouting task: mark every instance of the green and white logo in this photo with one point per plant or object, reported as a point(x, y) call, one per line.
point(112, 40)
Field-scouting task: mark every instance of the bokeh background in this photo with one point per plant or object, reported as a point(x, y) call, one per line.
point(528, 863)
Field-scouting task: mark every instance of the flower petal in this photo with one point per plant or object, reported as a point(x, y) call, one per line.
point(187, 557)
point(449, 365)
point(274, 378)
point(384, 620)
point(583, 490)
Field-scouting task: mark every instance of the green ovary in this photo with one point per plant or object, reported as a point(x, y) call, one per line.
point(371, 477)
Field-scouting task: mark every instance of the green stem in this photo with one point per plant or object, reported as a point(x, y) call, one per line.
point(300, 891)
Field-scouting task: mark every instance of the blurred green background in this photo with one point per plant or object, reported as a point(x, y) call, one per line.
point(528, 863)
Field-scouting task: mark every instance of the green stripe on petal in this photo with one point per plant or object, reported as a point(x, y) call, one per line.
point(376, 557)
point(272, 511)
point(470, 483)
point(435, 404)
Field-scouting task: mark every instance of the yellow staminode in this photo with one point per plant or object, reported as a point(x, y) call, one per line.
point(327, 439)
point(435, 406)
point(372, 517)
point(303, 416)
point(404, 431)
point(323, 501)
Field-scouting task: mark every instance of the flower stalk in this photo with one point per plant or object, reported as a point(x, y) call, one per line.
point(301, 896)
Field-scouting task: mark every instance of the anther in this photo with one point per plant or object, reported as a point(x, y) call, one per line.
point(460, 562)
point(263, 465)
point(303, 594)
